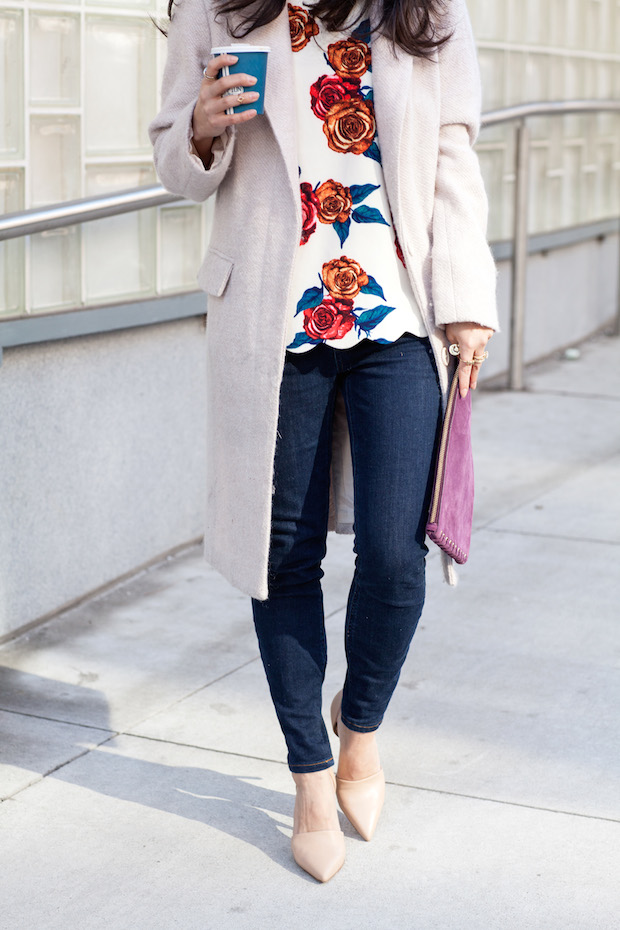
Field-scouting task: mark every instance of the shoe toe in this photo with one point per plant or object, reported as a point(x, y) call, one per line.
point(362, 801)
point(320, 853)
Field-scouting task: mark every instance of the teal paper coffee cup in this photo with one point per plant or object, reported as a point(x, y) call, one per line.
point(252, 60)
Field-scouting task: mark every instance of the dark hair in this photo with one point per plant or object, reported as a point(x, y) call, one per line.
point(413, 25)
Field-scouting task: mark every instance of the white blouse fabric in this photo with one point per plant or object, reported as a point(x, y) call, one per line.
point(349, 279)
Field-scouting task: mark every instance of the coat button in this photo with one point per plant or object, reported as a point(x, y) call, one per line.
point(444, 356)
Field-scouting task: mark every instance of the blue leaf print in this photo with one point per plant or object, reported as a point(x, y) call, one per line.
point(362, 32)
point(310, 298)
point(343, 230)
point(360, 192)
point(383, 342)
point(373, 287)
point(367, 93)
point(302, 339)
point(368, 319)
point(366, 214)
point(373, 152)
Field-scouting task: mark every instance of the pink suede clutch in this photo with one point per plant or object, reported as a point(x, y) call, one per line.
point(452, 503)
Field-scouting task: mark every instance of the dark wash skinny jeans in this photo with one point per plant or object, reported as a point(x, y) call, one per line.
point(392, 399)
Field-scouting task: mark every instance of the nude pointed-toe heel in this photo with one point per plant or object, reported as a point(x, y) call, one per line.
point(361, 800)
point(321, 853)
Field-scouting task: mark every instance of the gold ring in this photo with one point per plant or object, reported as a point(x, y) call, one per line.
point(454, 349)
point(468, 362)
point(208, 77)
point(240, 98)
point(479, 359)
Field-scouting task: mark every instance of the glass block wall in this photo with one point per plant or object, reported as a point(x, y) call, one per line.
point(79, 82)
point(551, 50)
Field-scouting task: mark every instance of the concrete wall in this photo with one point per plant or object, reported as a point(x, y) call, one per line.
point(102, 438)
point(571, 293)
point(102, 456)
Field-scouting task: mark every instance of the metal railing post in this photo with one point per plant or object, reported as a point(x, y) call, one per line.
point(519, 258)
point(616, 329)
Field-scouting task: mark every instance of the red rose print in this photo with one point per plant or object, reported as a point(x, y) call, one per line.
point(309, 210)
point(399, 251)
point(329, 89)
point(332, 319)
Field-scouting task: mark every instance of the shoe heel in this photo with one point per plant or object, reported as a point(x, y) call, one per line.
point(335, 710)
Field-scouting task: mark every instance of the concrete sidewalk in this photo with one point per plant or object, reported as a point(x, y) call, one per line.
point(144, 771)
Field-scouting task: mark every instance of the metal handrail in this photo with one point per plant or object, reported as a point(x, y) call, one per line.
point(69, 213)
point(547, 108)
point(72, 212)
point(519, 114)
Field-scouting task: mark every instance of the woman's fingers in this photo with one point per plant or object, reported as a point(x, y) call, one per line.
point(472, 340)
point(210, 117)
point(468, 371)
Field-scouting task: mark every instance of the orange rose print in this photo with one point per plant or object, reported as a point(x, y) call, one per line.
point(350, 126)
point(349, 57)
point(334, 202)
point(344, 278)
point(302, 27)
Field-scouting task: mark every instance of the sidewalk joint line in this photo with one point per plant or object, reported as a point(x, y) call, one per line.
point(578, 471)
point(185, 697)
point(395, 784)
point(335, 611)
point(577, 539)
point(557, 392)
point(68, 723)
point(219, 752)
point(61, 765)
point(532, 807)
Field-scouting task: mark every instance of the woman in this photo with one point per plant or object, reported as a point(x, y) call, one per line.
point(347, 252)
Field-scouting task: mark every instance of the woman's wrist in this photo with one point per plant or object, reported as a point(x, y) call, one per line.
point(203, 148)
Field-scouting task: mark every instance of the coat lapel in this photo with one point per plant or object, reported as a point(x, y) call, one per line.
point(280, 92)
point(406, 104)
point(391, 79)
point(392, 83)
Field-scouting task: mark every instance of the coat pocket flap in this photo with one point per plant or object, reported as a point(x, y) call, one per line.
point(215, 272)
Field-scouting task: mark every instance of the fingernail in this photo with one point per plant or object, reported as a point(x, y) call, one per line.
point(252, 80)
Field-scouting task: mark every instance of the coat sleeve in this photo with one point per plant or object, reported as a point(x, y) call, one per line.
point(189, 48)
point(464, 274)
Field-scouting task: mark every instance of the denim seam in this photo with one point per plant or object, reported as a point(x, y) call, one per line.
point(311, 764)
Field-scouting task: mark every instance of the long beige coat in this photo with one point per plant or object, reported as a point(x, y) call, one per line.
point(427, 116)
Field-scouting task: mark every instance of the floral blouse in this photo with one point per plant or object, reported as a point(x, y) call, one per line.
point(349, 277)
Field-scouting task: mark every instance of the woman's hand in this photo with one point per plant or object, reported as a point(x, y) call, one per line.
point(472, 341)
point(210, 118)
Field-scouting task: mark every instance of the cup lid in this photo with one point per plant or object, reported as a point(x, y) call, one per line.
point(242, 47)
